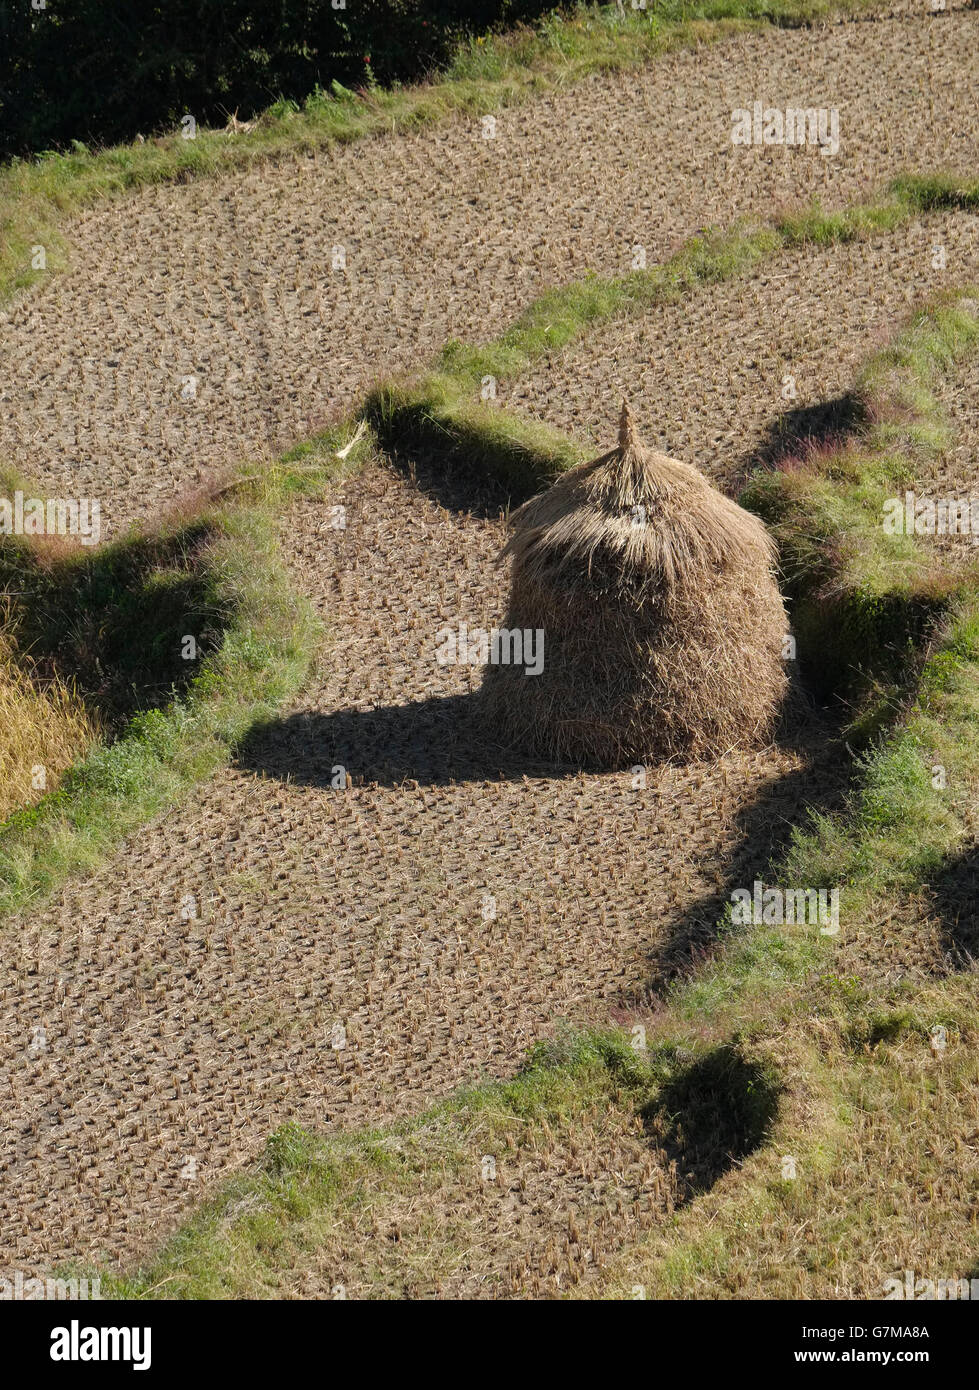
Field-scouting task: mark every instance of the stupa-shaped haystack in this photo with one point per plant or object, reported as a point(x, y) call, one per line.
point(663, 624)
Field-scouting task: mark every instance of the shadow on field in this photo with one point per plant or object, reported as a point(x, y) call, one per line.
point(448, 477)
point(955, 892)
point(439, 741)
point(711, 1117)
point(795, 434)
point(763, 831)
point(111, 620)
point(432, 742)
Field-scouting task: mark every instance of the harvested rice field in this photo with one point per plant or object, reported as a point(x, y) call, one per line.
point(425, 909)
point(733, 373)
point(341, 964)
point(204, 322)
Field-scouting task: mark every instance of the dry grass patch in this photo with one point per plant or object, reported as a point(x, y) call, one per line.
point(884, 1135)
point(43, 726)
point(523, 1189)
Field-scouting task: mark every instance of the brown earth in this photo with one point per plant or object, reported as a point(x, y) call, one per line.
point(229, 280)
point(167, 1040)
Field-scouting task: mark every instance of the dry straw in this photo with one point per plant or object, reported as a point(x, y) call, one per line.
point(663, 624)
point(42, 724)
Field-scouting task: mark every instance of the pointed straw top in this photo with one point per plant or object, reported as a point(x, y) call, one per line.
point(627, 432)
point(647, 521)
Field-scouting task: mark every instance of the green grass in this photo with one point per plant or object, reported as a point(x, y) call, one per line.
point(898, 829)
point(447, 410)
point(863, 602)
point(435, 415)
point(134, 596)
point(896, 832)
point(903, 823)
point(37, 195)
point(373, 1203)
point(109, 621)
point(893, 601)
point(565, 314)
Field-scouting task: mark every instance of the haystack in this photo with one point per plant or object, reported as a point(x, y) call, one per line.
point(663, 624)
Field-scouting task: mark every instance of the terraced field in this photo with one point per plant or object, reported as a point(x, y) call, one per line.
point(425, 909)
point(444, 234)
point(730, 374)
point(377, 902)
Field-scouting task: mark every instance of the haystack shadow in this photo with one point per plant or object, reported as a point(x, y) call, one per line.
point(444, 741)
point(433, 742)
point(711, 1117)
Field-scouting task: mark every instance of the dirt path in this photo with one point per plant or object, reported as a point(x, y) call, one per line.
point(229, 281)
point(167, 1040)
point(705, 376)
